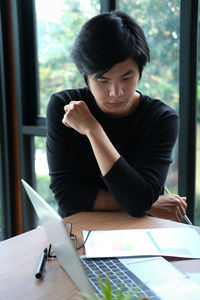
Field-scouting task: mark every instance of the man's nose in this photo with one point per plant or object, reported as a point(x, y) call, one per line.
point(116, 91)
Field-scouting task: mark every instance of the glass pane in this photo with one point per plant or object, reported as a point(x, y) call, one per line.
point(56, 29)
point(160, 22)
point(41, 171)
point(197, 204)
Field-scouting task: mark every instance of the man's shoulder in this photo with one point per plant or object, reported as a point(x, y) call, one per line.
point(157, 106)
point(71, 95)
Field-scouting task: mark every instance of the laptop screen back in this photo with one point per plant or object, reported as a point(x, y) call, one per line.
point(60, 241)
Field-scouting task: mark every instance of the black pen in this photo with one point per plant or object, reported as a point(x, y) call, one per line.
point(40, 268)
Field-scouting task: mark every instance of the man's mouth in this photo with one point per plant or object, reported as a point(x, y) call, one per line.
point(116, 104)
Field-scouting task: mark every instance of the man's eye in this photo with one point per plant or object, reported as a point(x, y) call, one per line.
point(126, 78)
point(102, 81)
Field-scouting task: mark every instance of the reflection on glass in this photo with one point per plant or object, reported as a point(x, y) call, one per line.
point(41, 170)
point(56, 29)
point(160, 22)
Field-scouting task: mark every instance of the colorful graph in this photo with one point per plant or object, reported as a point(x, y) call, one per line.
point(123, 247)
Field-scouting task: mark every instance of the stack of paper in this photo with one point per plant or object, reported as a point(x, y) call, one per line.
point(176, 242)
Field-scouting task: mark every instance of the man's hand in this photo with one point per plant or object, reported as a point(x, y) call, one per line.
point(171, 207)
point(78, 116)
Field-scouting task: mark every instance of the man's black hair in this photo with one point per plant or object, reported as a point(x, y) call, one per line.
point(108, 39)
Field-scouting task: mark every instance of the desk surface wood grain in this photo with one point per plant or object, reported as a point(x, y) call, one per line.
point(19, 256)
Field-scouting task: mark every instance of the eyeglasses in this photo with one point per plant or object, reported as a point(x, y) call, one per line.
point(72, 236)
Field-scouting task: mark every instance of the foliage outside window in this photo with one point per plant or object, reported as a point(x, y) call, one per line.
point(160, 22)
point(56, 31)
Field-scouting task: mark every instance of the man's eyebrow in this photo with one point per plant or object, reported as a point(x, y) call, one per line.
point(103, 77)
point(129, 72)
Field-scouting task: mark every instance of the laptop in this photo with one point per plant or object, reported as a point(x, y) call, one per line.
point(151, 276)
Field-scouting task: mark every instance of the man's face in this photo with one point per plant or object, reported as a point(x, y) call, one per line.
point(115, 91)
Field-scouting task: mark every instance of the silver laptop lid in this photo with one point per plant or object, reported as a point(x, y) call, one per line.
point(61, 243)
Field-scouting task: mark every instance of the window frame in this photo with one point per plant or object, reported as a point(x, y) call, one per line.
point(30, 124)
point(5, 193)
point(188, 102)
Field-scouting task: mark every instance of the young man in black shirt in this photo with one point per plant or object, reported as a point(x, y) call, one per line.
point(108, 145)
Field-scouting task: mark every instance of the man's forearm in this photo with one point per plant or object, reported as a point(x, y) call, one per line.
point(105, 153)
point(105, 201)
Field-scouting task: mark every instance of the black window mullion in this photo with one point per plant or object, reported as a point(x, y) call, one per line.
point(29, 216)
point(7, 218)
point(108, 5)
point(28, 59)
point(188, 102)
point(26, 96)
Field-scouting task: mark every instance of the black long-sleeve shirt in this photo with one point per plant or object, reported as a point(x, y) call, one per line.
point(144, 139)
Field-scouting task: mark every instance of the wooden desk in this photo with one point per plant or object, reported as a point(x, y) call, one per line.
point(20, 255)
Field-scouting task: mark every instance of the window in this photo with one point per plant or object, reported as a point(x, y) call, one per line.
point(5, 224)
point(55, 35)
point(160, 22)
point(46, 68)
point(41, 172)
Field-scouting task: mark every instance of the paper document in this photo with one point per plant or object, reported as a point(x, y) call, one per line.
point(176, 242)
point(195, 277)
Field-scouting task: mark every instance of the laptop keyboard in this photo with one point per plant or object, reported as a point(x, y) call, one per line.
point(118, 274)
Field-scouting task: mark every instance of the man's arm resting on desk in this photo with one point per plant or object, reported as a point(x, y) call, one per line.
point(105, 201)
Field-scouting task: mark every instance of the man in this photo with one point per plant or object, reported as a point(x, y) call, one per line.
point(108, 145)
